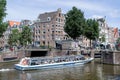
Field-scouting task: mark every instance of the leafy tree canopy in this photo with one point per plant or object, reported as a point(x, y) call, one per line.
point(118, 41)
point(92, 29)
point(25, 36)
point(14, 38)
point(3, 25)
point(75, 23)
point(103, 38)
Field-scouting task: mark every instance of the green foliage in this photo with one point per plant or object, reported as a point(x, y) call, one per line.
point(118, 44)
point(103, 38)
point(25, 36)
point(75, 23)
point(2, 9)
point(14, 38)
point(118, 41)
point(10, 40)
point(92, 29)
point(3, 25)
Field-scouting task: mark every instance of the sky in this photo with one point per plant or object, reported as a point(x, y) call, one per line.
point(18, 10)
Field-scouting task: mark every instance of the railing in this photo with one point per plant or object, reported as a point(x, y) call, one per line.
point(44, 60)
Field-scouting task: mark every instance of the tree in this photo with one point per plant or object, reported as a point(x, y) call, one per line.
point(118, 41)
point(3, 25)
point(25, 36)
point(14, 38)
point(92, 30)
point(10, 40)
point(74, 23)
point(118, 44)
point(103, 38)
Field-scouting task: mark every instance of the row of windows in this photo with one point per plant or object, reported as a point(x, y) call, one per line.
point(59, 20)
point(38, 31)
point(57, 25)
point(56, 31)
point(43, 42)
point(48, 36)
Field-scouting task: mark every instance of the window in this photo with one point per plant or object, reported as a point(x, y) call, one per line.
point(52, 25)
point(44, 32)
point(58, 31)
point(52, 31)
point(49, 18)
point(59, 15)
point(43, 36)
point(43, 42)
point(59, 20)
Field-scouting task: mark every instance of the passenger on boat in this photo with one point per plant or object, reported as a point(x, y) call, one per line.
point(24, 61)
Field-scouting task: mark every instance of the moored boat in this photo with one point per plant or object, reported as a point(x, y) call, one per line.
point(50, 62)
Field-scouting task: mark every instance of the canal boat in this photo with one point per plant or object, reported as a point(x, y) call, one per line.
point(50, 62)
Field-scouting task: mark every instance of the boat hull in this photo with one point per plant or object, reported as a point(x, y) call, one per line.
point(52, 65)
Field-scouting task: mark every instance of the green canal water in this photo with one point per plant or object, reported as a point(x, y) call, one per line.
point(90, 71)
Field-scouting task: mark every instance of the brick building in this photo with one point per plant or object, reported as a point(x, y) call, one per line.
point(49, 28)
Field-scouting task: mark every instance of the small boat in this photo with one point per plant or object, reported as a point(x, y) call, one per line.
point(50, 62)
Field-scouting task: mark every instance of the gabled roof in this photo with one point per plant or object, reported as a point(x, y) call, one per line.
point(47, 16)
point(43, 17)
point(12, 23)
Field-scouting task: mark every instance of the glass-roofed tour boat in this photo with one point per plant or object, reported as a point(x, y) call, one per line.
point(34, 63)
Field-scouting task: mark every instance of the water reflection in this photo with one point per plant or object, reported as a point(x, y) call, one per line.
point(91, 71)
point(85, 72)
point(66, 73)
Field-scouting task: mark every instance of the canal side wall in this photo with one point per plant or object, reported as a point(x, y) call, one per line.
point(107, 57)
point(1, 59)
point(16, 54)
point(116, 57)
point(110, 57)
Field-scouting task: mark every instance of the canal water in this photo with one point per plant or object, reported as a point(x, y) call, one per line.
point(90, 71)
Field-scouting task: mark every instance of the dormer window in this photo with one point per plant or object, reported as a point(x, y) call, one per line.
point(15, 25)
point(49, 18)
point(59, 14)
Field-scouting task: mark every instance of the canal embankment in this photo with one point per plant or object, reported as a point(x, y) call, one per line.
point(105, 56)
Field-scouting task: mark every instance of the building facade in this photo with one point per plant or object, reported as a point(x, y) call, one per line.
point(11, 25)
point(109, 33)
point(49, 28)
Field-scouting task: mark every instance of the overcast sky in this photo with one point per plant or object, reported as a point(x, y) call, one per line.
point(30, 9)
